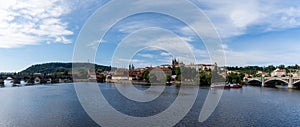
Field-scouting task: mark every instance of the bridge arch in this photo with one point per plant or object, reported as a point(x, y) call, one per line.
point(294, 83)
point(277, 80)
point(254, 80)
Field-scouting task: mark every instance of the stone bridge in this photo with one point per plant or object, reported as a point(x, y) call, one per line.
point(291, 81)
point(30, 79)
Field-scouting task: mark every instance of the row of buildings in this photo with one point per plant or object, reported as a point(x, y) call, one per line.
point(282, 73)
point(137, 74)
point(278, 73)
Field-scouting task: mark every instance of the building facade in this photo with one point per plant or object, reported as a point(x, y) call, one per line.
point(278, 73)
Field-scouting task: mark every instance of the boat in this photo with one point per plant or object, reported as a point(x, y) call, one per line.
point(8, 82)
point(227, 86)
point(233, 86)
point(217, 85)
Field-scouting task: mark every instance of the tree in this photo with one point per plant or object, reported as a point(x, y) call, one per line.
point(281, 67)
point(296, 66)
point(145, 75)
point(169, 78)
point(205, 78)
point(177, 71)
point(101, 78)
point(235, 78)
point(270, 68)
point(66, 72)
point(229, 79)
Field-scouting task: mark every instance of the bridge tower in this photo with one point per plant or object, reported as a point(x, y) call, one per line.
point(290, 85)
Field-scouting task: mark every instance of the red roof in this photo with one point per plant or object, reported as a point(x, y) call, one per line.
point(138, 72)
point(92, 73)
point(200, 65)
point(158, 68)
point(280, 71)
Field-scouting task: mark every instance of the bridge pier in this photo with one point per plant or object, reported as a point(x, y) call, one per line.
point(262, 81)
point(290, 84)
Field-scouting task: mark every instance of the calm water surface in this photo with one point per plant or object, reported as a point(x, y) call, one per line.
point(57, 105)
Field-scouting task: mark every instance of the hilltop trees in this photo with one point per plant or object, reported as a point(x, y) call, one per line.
point(63, 68)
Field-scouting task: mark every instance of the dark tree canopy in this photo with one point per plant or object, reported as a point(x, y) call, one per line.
point(64, 68)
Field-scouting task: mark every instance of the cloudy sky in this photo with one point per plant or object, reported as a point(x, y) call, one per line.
point(252, 32)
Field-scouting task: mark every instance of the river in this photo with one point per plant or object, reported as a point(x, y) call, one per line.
point(58, 105)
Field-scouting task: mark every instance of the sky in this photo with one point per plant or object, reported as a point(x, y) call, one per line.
point(252, 32)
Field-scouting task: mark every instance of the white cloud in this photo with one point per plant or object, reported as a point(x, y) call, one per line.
point(95, 44)
point(132, 26)
point(171, 45)
point(146, 55)
point(165, 54)
point(176, 47)
point(165, 60)
point(243, 58)
point(124, 62)
point(234, 18)
point(32, 22)
point(224, 46)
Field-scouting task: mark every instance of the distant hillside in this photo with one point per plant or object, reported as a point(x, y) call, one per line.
point(60, 68)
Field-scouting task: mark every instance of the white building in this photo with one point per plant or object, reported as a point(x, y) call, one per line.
point(119, 77)
point(278, 73)
point(296, 74)
point(92, 75)
point(202, 67)
point(120, 74)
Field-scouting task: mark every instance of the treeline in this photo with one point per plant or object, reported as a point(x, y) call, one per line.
point(235, 78)
point(63, 68)
point(252, 70)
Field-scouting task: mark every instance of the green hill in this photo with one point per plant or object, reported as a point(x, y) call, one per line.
point(60, 68)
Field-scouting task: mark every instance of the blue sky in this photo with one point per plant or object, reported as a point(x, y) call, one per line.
point(253, 33)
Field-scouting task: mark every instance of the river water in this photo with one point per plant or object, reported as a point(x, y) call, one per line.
point(58, 105)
